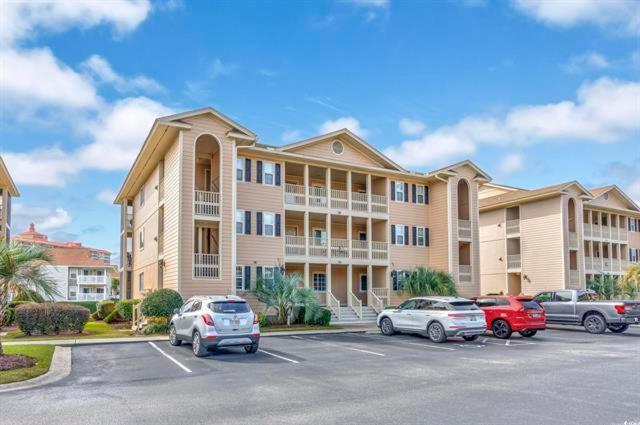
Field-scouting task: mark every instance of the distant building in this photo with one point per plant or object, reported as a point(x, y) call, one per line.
point(8, 190)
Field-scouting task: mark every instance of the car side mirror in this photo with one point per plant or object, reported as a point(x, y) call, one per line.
point(176, 311)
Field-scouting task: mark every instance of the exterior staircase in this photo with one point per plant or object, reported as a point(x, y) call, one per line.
point(349, 317)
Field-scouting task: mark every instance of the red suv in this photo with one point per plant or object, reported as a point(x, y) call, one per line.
point(507, 314)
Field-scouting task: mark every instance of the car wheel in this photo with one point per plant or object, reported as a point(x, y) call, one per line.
point(595, 324)
point(528, 333)
point(501, 329)
point(199, 350)
point(386, 326)
point(436, 332)
point(251, 349)
point(618, 328)
point(470, 337)
point(173, 337)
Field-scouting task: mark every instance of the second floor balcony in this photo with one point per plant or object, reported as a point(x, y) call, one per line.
point(340, 249)
point(514, 262)
point(206, 205)
point(607, 233)
point(464, 229)
point(320, 197)
point(91, 280)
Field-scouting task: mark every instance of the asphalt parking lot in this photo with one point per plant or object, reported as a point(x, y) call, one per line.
point(561, 376)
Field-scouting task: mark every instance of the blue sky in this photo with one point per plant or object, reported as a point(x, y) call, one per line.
point(534, 92)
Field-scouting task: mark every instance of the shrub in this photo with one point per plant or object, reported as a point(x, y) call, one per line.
point(125, 308)
point(112, 317)
point(262, 320)
point(51, 318)
point(91, 305)
point(95, 315)
point(161, 303)
point(104, 308)
point(323, 319)
point(156, 325)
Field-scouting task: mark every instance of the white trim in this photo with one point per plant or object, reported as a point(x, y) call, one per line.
point(360, 282)
point(264, 173)
point(326, 288)
point(424, 236)
point(235, 222)
point(242, 161)
point(180, 201)
point(341, 144)
point(264, 213)
point(234, 208)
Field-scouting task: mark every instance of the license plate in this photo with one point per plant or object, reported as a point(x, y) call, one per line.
point(535, 314)
point(232, 322)
point(473, 318)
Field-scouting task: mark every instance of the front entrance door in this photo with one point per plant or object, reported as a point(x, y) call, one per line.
point(363, 283)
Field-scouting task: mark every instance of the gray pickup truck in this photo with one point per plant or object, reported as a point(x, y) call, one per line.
point(580, 307)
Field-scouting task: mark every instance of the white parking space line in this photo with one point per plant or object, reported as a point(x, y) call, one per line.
point(278, 356)
point(397, 340)
point(345, 347)
point(183, 367)
point(508, 342)
point(364, 351)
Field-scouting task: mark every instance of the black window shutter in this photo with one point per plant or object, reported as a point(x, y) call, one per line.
point(247, 222)
point(414, 236)
point(413, 193)
point(258, 272)
point(393, 234)
point(406, 192)
point(426, 194)
point(277, 224)
point(393, 190)
point(247, 170)
point(406, 235)
point(259, 171)
point(258, 223)
point(394, 280)
point(277, 174)
point(247, 276)
point(426, 236)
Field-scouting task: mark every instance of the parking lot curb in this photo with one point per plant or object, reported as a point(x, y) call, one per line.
point(59, 369)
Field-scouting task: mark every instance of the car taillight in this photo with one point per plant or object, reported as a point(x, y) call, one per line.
point(207, 319)
point(619, 308)
point(457, 315)
point(255, 319)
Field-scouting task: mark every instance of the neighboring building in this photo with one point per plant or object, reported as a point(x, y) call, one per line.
point(78, 276)
point(206, 210)
point(8, 190)
point(556, 237)
point(32, 237)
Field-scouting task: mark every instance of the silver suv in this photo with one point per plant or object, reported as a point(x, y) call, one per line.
point(437, 317)
point(215, 321)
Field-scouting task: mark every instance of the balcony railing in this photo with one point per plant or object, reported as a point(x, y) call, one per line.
point(514, 261)
point(359, 202)
point(360, 250)
point(90, 297)
point(615, 234)
point(464, 272)
point(379, 250)
point(206, 204)
point(574, 277)
point(573, 240)
point(464, 229)
point(587, 230)
point(595, 231)
point(513, 226)
point(379, 204)
point(206, 266)
point(623, 234)
point(294, 194)
point(294, 246)
point(383, 293)
point(320, 197)
point(91, 280)
point(317, 247)
point(339, 199)
point(338, 248)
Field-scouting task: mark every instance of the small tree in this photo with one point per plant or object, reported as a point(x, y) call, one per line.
point(284, 294)
point(426, 281)
point(605, 286)
point(115, 285)
point(630, 282)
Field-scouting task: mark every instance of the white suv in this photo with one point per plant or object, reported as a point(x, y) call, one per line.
point(437, 317)
point(215, 321)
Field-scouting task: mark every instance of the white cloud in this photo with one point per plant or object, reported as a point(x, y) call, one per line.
point(41, 167)
point(21, 20)
point(219, 68)
point(512, 163)
point(605, 111)
point(586, 61)
point(289, 136)
point(620, 16)
point(344, 122)
point(371, 3)
point(106, 196)
point(46, 219)
point(100, 69)
point(410, 127)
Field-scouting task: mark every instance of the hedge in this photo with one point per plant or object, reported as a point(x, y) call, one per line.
point(91, 305)
point(156, 325)
point(323, 319)
point(47, 318)
point(105, 308)
point(161, 303)
point(125, 309)
point(9, 313)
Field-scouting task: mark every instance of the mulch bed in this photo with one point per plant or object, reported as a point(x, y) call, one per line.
point(9, 362)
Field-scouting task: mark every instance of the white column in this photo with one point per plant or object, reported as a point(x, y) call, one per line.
point(349, 236)
point(328, 274)
point(369, 277)
point(369, 235)
point(328, 183)
point(349, 190)
point(369, 193)
point(305, 233)
point(349, 283)
point(328, 226)
point(306, 184)
point(306, 275)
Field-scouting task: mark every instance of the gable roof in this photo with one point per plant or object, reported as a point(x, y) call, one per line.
point(74, 257)
point(5, 178)
point(522, 196)
point(450, 170)
point(352, 136)
point(600, 191)
point(208, 110)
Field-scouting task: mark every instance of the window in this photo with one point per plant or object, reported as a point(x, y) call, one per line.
point(398, 279)
point(587, 296)
point(319, 282)
point(100, 272)
point(229, 307)
point(141, 236)
point(240, 222)
point(99, 290)
point(142, 196)
point(408, 305)
point(240, 169)
point(463, 305)
point(86, 290)
point(399, 236)
point(363, 283)
point(186, 307)
point(420, 239)
point(544, 297)
point(141, 282)
point(486, 302)
point(240, 278)
point(268, 224)
point(400, 195)
point(563, 296)
point(438, 306)
point(320, 236)
point(268, 273)
point(197, 305)
point(337, 147)
point(420, 194)
point(268, 173)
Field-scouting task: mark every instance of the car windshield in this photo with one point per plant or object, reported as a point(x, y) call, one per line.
point(463, 305)
point(530, 305)
point(229, 307)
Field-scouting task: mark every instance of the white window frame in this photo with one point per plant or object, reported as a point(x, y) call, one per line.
point(323, 234)
point(244, 286)
point(399, 187)
point(400, 234)
point(240, 168)
point(141, 196)
point(141, 281)
point(313, 281)
point(268, 273)
point(141, 238)
point(273, 224)
point(360, 282)
point(401, 275)
point(419, 188)
point(424, 238)
point(240, 221)
point(271, 165)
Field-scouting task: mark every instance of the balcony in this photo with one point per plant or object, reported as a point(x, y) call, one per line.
point(514, 262)
point(91, 280)
point(206, 266)
point(360, 202)
point(206, 204)
point(623, 234)
point(595, 231)
point(573, 240)
point(294, 194)
point(128, 222)
point(320, 197)
point(464, 272)
point(90, 297)
point(587, 230)
point(574, 277)
point(464, 229)
point(513, 227)
point(337, 248)
point(339, 199)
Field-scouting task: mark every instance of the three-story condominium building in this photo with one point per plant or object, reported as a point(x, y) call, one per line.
point(8, 190)
point(206, 209)
point(556, 237)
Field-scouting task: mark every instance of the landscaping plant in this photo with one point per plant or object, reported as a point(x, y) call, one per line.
point(105, 308)
point(605, 286)
point(423, 281)
point(125, 309)
point(161, 303)
point(47, 318)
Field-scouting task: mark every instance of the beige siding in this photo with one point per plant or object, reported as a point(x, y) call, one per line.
point(352, 153)
point(493, 261)
point(171, 215)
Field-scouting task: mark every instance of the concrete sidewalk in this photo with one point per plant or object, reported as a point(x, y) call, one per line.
point(95, 341)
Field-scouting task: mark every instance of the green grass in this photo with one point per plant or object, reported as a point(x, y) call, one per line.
point(42, 354)
point(91, 330)
point(277, 328)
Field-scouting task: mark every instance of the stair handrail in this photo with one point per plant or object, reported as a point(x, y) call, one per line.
point(356, 304)
point(375, 302)
point(333, 304)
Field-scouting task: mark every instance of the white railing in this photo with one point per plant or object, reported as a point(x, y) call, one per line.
point(206, 203)
point(206, 266)
point(294, 194)
point(91, 297)
point(379, 204)
point(513, 226)
point(356, 304)
point(339, 199)
point(587, 230)
point(597, 264)
point(317, 247)
point(514, 261)
point(588, 263)
point(339, 248)
point(573, 240)
point(606, 264)
point(383, 294)
point(574, 277)
point(91, 280)
point(375, 302)
point(379, 250)
point(360, 250)
point(294, 246)
point(465, 273)
point(615, 265)
point(359, 202)
point(595, 231)
point(318, 196)
point(464, 229)
point(623, 235)
point(333, 304)
point(615, 234)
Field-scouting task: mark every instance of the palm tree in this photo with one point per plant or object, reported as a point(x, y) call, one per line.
point(22, 272)
point(284, 294)
point(605, 285)
point(630, 282)
point(426, 281)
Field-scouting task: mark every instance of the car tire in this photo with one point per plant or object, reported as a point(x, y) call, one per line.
point(199, 349)
point(173, 337)
point(386, 327)
point(501, 329)
point(251, 349)
point(618, 328)
point(528, 333)
point(436, 333)
point(470, 337)
point(595, 323)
